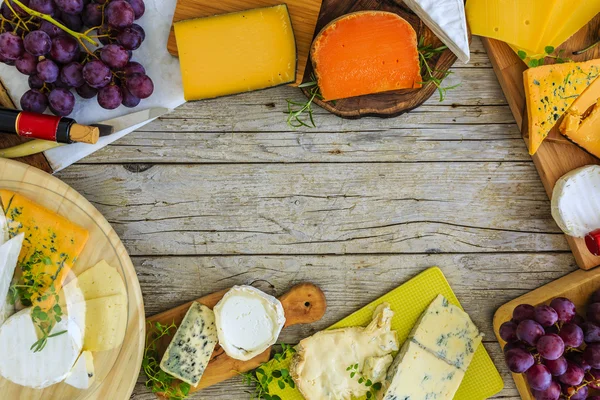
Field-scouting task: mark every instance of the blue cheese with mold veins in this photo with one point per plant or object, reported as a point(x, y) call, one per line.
point(190, 350)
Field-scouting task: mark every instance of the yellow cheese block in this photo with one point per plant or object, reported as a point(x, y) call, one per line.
point(51, 245)
point(582, 122)
point(569, 17)
point(238, 52)
point(550, 90)
point(105, 323)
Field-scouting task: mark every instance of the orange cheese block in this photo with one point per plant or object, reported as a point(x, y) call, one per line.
point(51, 244)
point(366, 52)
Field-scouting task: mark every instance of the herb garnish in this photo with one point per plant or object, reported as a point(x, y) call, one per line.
point(158, 380)
point(373, 387)
point(297, 117)
point(539, 59)
point(426, 53)
point(261, 378)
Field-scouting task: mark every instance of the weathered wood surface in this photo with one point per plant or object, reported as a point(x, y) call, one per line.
point(222, 192)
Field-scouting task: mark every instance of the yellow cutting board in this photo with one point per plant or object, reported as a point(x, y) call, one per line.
point(408, 302)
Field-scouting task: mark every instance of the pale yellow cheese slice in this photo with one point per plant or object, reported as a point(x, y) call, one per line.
point(105, 323)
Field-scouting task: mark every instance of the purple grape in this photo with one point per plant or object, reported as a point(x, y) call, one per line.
point(519, 360)
point(43, 6)
point(48, 71)
point(545, 315)
point(580, 394)
point(591, 332)
point(92, 15)
point(133, 68)
point(523, 312)
point(51, 29)
point(139, 8)
point(37, 43)
point(594, 379)
point(591, 355)
point(572, 335)
point(130, 38)
point(65, 49)
point(593, 313)
point(34, 101)
point(35, 82)
point(573, 375)
point(61, 101)
point(110, 97)
point(86, 91)
point(114, 56)
point(538, 377)
point(577, 358)
point(528, 331)
point(96, 74)
point(556, 367)
point(550, 346)
point(552, 393)
point(70, 6)
point(514, 345)
point(72, 74)
point(72, 21)
point(7, 12)
point(11, 46)
point(27, 64)
point(139, 30)
point(142, 87)
point(129, 100)
point(508, 331)
point(119, 14)
point(565, 309)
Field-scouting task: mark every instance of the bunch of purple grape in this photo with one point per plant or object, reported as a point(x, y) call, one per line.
point(58, 60)
point(556, 349)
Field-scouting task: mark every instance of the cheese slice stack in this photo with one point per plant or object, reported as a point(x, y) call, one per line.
point(238, 52)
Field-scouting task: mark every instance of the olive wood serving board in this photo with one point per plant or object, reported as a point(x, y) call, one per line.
point(304, 14)
point(577, 286)
point(303, 304)
point(387, 104)
point(557, 155)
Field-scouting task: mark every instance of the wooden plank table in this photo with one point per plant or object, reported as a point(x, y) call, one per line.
point(222, 192)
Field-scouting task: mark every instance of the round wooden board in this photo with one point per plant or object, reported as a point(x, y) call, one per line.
point(388, 104)
point(103, 244)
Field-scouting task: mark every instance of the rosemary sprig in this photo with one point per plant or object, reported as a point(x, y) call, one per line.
point(537, 60)
point(261, 378)
point(158, 380)
point(302, 116)
point(426, 53)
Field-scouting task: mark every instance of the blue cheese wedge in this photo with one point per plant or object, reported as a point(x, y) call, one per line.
point(417, 374)
point(190, 350)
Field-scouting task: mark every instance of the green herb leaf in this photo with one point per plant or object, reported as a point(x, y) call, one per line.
point(522, 55)
point(549, 49)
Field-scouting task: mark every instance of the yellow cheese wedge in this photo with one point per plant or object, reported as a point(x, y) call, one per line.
point(238, 52)
point(569, 17)
point(582, 122)
point(550, 90)
point(105, 323)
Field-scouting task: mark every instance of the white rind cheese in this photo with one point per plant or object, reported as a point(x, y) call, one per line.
point(323, 366)
point(20, 365)
point(83, 374)
point(248, 322)
point(192, 346)
point(447, 19)
point(9, 255)
point(576, 201)
point(3, 229)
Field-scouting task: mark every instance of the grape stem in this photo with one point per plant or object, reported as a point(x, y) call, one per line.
point(17, 15)
point(48, 18)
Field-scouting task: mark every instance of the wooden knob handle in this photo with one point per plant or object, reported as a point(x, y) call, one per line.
point(84, 134)
point(303, 304)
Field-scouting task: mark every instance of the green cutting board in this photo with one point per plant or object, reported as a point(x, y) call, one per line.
point(408, 302)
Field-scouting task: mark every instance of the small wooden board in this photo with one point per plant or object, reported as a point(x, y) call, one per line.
point(303, 304)
point(304, 14)
point(116, 370)
point(556, 156)
point(388, 104)
point(577, 287)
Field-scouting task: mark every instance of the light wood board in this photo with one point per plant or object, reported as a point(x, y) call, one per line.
point(305, 303)
point(116, 370)
point(577, 286)
point(304, 14)
point(556, 156)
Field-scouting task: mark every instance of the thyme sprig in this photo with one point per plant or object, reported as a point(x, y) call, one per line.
point(261, 378)
point(426, 53)
point(301, 113)
point(537, 60)
point(373, 387)
point(158, 381)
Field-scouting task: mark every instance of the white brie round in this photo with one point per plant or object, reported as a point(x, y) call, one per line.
point(576, 201)
point(248, 322)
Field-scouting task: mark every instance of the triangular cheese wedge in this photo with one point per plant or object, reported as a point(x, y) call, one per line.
point(447, 19)
point(9, 255)
point(550, 90)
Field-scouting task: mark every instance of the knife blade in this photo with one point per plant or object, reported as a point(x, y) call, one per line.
point(127, 121)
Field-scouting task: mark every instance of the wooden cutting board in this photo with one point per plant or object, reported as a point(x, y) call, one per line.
point(577, 286)
point(556, 156)
point(303, 304)
point(304, 14)
point(388, 104)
